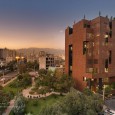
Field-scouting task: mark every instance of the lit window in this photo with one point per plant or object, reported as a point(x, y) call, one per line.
point(85, 47)
point(106, 65)
point(70, 68)
point(93, 44)
point(84, 79)
point(106, 36)
point(98, 35)
point(106, 70)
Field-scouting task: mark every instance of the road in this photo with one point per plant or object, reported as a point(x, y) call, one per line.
point(11, 76)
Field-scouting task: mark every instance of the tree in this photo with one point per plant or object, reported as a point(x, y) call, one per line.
point(4, 101)
point(64, 83)
point(42, 72)
point(20, 77)
point(87, 92)
point(113, 85)
point(22, 68)
point(1, 87)
point(75, 103)
point(27, 80)
point(11, 65)
point(36, 65)
point(19, 105)
point(58, 73)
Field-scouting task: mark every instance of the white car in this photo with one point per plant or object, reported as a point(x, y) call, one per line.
point(109, 112)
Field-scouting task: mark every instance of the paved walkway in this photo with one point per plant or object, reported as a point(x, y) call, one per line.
point(3, 85)
point(26, 93)
point(9, 108)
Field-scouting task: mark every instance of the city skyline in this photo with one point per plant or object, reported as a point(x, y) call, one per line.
point(42, 24)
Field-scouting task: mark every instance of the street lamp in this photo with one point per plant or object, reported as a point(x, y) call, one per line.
point(103, 92)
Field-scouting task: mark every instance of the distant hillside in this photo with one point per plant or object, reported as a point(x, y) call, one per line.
point(37, 50)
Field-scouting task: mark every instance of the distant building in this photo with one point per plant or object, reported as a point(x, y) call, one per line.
point(46, 60)
point(7, 55)
point(90, 52)
point(32, 58)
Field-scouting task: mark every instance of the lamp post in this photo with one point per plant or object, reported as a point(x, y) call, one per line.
point(103, 92)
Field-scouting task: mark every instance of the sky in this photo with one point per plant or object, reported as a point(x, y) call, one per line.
point(42, 23)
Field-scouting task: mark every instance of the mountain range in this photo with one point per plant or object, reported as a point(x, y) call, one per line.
point(37, 50)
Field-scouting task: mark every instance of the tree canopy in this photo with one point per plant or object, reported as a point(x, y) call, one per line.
point(75, 103)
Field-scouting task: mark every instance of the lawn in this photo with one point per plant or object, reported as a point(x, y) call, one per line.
point(41, 103)
point(7, 88)
point(15, 87)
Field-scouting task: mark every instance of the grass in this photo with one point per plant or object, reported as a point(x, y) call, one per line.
point(41, 103)
point(15, 90)
point(7, 88)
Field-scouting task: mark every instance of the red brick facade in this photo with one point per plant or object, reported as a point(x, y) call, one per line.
point(90, 47)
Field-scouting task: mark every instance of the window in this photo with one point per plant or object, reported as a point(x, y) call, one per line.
point(105, 80)
point(106, 38)
point(110, 55)
point(86, 26)
point(70, 30)
point(70, 68)
point(84, 79)
point(110, 33)
point(106, 70)
point(85, 48)
point(106, 41)
point(70, 59)
point(106, 65)
point(90, 61)
point(95, 61)
point(110, 25)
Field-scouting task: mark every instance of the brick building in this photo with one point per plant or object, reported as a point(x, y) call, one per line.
point(90, 52)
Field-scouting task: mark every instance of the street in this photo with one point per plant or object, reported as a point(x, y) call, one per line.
point(10, 76)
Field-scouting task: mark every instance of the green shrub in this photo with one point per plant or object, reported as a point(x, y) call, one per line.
point(35, 103)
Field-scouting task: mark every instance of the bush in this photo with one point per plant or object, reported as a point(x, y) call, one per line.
point(34, 89)
point(113, 85)
point(35, 103)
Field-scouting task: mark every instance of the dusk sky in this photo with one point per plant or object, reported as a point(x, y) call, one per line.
point(41, 23)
